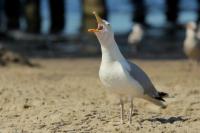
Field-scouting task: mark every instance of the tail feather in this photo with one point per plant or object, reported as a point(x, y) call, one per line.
point(163, 94)
point(160, 98)
point(156, 101)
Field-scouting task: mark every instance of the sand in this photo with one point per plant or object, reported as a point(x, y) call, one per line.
point(66, 95)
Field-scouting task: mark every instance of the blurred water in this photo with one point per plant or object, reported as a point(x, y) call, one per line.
point(120, 14)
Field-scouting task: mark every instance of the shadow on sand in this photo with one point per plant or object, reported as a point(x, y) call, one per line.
point(170, 120)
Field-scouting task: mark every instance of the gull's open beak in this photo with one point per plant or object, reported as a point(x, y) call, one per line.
point(99, 21)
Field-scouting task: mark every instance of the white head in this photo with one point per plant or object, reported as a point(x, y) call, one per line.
point(136, 35)
point(105, 35)
point(137, 27)
point(103, 31)
point(191, 26)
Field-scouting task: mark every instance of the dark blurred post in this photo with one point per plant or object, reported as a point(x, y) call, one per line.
point(140, 11)
point(32, 13)
point(57, 15)
point(12, 12)
point(1, 14)
point(88, 6)
point(198, 12)
point(172, 11)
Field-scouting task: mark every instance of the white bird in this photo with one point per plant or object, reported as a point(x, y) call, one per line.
point(122, 77)
point(136, 36)
point(192, 42)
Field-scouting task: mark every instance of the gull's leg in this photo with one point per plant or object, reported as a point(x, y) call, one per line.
point(122, 111)
point(130, 111)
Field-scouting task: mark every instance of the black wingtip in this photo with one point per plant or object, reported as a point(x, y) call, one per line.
point(163, 94)
point(160, 98)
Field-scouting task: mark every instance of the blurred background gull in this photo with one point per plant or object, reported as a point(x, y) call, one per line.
point(135, 37)
point(192, 42)
point(34, 27)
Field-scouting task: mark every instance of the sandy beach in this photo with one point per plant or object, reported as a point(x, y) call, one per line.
point(65, 95)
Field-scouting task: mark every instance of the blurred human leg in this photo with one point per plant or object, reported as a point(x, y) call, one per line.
point(32, 13)
point(12, 12)
point(57, 15)
point(140, 11)
point(172, 11)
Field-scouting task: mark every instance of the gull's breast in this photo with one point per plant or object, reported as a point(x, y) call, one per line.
point(114, 77)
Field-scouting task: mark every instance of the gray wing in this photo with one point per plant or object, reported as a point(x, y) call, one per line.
point(198, 43)
point(139, 75)
point(196, 50)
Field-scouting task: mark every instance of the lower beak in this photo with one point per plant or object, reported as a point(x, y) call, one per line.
point(93, 30)
point(99, 20)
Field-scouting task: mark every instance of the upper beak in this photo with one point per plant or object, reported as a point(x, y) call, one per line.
point(99, 20)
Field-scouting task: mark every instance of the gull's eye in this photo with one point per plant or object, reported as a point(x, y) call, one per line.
point(106, 23)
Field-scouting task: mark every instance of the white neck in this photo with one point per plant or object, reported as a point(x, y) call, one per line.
point(110, 50)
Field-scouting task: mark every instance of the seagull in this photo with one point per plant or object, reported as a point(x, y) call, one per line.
point(135, 37)
point(192, 42)
point(120, 76)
